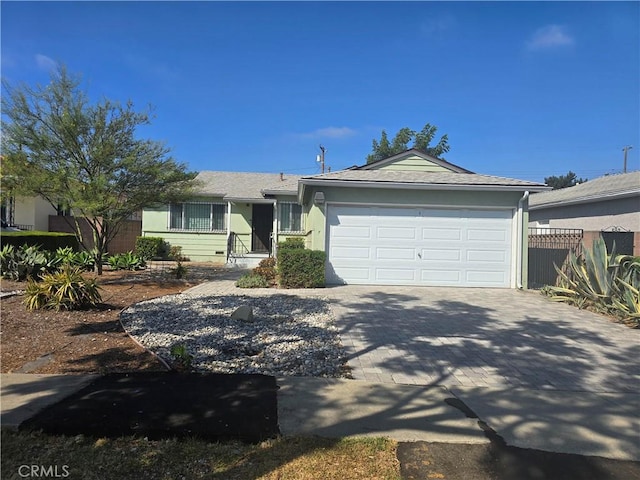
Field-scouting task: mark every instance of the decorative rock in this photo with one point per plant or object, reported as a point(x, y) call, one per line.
point(290, 335)
point(244, 313)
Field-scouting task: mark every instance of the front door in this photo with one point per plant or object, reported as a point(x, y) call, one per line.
point(261, 227)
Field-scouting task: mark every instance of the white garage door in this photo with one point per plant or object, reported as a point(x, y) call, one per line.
point(419, 246)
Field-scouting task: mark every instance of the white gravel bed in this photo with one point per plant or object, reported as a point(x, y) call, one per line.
point(289, 335)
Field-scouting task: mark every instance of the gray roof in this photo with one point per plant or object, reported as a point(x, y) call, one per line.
point(603, 188)
point(453, 179)
point(246, 185)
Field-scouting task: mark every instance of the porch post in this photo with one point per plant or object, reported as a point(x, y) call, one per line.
point(274, 246)
point(228, 227)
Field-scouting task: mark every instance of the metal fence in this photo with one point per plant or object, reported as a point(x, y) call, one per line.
point(549, 247)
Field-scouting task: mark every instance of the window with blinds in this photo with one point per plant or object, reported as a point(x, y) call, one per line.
point(207, 217)
point(290, 217)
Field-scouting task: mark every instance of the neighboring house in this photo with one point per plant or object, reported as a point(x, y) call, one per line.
point(27, 213)
point(410, 219)
point(606, 204)
point(36, 213)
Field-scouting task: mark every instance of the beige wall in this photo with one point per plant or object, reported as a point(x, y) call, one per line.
point(33, 211)
point(595, 216)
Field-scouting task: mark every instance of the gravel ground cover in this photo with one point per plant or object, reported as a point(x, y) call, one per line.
point(289, 335)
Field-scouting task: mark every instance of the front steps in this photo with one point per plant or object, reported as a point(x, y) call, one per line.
point(246, 261)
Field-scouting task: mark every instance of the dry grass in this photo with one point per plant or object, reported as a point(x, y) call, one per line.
point(296, 458)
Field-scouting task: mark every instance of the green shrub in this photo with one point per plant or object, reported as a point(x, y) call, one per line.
point(301, 268)
point(251, 280)
point(63, 290)
point(182, 359)
point(266, 269)
point(175, 253)
point(179, 271)
point(50, 241)
point(126, 261)
point(151, 247)
point(292, 243)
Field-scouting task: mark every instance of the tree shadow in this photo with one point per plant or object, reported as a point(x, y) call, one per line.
point(543, 373)
point(554, 372)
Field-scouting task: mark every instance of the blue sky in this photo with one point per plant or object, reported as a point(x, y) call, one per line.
point(523, 90)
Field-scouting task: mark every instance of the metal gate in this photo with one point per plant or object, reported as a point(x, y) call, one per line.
point(622, 239)
point(549, 246)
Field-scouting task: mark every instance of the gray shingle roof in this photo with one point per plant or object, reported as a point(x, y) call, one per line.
point(245, 185)
point(594, 190)
point(416, 177)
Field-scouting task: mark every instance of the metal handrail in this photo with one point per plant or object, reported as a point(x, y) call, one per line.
point(235, 246)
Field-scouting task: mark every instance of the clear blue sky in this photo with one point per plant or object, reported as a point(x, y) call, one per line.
point(523, 90)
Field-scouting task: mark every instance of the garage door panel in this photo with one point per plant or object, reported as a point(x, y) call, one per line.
point(396, 233)
point(485, 278)
point(351, 253)
point(354, 274)
point(395, 253)
point(440, 277)
point(350, 232)
point(487, 256)
point(487, 235)
point(396, 275)
point(419, 246)
point(441, 254)
point(435, 233)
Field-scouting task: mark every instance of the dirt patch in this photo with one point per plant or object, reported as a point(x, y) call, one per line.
point(89, 341)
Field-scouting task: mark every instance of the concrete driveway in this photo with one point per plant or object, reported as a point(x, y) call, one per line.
point(542, 374)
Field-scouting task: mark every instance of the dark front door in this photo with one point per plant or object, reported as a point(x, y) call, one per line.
point(261, 227)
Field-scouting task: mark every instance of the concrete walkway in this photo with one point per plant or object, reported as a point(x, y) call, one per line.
point(542, 374)
point(306, 406)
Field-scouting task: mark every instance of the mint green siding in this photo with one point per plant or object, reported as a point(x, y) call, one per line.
point(197, 246)
point(414, 163)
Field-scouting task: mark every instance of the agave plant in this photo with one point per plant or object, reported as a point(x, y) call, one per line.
point(126, 261)
point(608, 283)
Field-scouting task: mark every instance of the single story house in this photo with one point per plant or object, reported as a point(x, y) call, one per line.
point(609, 204)
point(410, 219)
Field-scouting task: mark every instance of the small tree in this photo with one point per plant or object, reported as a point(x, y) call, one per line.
point(85, 156)
point(400, 143)
point(564, 181)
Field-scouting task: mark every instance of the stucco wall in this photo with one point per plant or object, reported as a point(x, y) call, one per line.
point(33, 211)
point(603, 215)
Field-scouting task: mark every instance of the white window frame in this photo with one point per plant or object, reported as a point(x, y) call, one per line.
point(280, 218)
point(210, 228)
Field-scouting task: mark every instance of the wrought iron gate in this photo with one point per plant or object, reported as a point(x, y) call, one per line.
point(622, 239)
point(549, 246)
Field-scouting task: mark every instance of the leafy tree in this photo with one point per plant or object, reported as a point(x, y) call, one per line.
point(400, 143)
point(564, 181)
point(85, 156)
